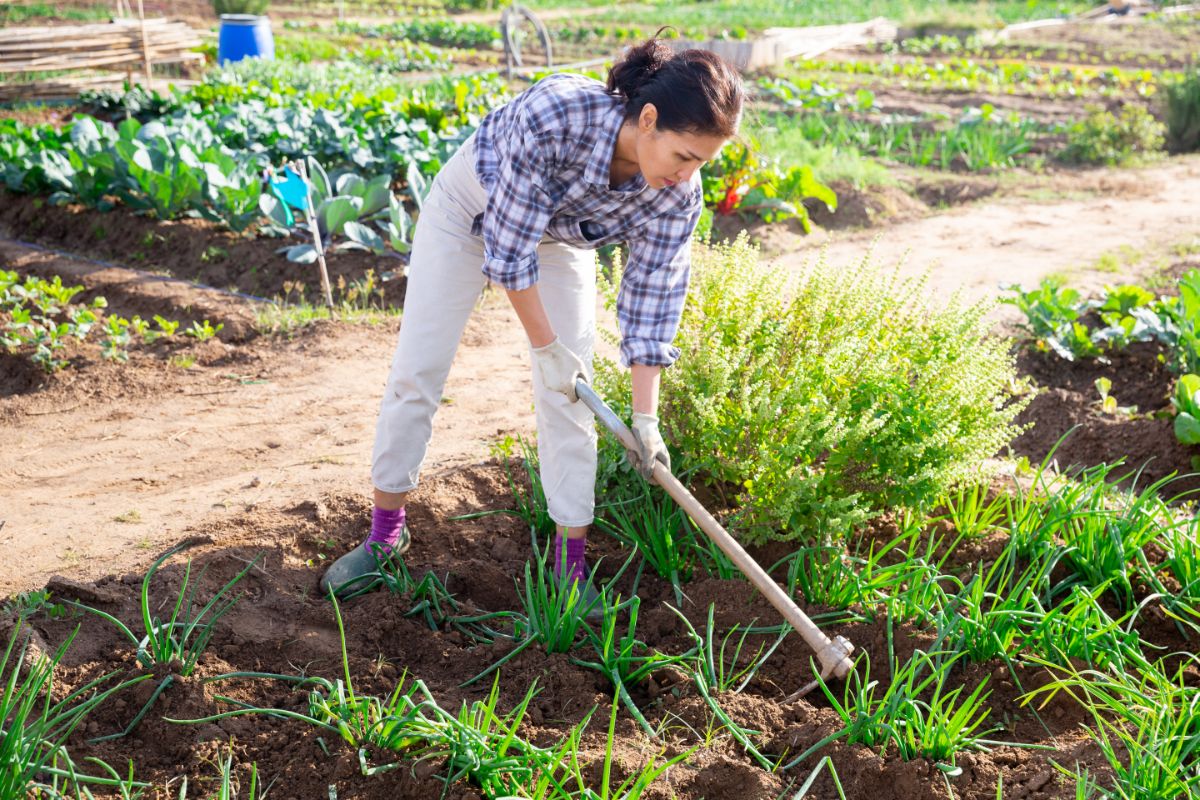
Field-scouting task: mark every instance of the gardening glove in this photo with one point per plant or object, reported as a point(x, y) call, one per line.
point(559, 368)
point(651, 447)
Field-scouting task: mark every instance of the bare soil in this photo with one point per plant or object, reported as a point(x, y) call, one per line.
point(102, 462)
point(1169, 42)
point(1062, 224)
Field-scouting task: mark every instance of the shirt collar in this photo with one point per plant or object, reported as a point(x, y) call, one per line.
point(600, 162)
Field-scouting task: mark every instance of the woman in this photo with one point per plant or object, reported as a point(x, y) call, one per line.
point(568, 166)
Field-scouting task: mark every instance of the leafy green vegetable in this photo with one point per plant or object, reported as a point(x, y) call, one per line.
point(1186, 401)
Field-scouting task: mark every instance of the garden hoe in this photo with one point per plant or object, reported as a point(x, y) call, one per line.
point(834, 654)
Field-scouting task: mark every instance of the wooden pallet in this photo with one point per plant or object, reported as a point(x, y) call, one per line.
point(100, 55)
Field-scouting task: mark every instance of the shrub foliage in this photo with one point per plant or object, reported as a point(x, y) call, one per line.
point(239, 6)
point(814, 403)
point(1106, 138)
point(1183, 113)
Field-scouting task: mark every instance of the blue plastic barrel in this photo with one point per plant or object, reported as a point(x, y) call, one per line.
point(244, 36)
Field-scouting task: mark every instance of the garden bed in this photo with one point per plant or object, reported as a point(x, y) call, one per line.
point(281, 625)
point(246, 448)
point(191, 249)
point(1068, 405)
point(173, 363)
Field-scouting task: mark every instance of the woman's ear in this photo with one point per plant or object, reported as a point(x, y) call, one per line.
point(648, 119)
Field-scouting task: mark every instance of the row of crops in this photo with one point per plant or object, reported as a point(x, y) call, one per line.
point(241, 127)
point(1061, 320)
point(207, 153)
point(218, 139)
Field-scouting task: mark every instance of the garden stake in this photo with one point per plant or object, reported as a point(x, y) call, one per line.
point(318, 245)
point(834, 654)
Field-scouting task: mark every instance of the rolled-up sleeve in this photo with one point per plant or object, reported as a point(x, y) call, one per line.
point(518, 208)
point(654, 287)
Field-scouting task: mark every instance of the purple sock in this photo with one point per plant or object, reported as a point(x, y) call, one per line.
point(569, 556)
point(386, 527)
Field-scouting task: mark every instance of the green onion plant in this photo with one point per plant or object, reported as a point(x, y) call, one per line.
point(1146, 724)
point(899, 716)
point(230, 788)
point(659, 530)
point(34, 726)
point(972, 513)
point(185, 634)
point(625, 660)
point(826, 575)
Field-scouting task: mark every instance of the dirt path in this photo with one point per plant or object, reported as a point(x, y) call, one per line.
point(976, 248)
point(304, 425)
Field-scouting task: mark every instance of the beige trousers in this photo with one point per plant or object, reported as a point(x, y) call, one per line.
point(445, 280)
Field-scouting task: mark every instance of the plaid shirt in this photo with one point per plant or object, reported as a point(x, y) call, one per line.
point(544, 161)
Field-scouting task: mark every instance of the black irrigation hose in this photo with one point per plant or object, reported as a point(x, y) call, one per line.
point(139, 272)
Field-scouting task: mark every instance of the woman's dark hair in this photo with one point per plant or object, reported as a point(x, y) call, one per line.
point(695, 91)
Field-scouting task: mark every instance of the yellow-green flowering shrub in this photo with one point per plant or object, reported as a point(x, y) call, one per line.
point(814, 402)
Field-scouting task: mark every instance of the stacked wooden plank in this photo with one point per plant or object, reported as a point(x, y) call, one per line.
point(111, 45)
point(64, 60)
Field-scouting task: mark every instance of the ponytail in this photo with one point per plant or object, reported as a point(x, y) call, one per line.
point(638, 67)
point(694, 91)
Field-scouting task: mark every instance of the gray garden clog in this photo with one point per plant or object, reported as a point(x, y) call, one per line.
point(353, 570)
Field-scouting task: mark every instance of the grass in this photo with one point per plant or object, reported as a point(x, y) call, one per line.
point(13, 14)
point(397, 56)
point(759, 14)
point(288, 318)
point(1118, 261)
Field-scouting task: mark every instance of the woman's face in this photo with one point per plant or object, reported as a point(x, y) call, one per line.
point(666, 158)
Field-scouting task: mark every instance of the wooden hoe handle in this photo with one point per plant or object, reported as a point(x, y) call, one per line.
point(834, 654)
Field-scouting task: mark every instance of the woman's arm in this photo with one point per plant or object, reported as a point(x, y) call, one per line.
point(645, 388)
point(528, 305)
